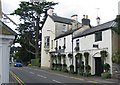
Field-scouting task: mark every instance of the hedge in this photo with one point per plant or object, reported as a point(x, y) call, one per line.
point(35, 62)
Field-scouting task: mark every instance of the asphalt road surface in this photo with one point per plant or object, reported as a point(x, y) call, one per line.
point(37, 76)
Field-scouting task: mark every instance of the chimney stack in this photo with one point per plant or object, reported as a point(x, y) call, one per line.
point(85, 20)
point(74, 17)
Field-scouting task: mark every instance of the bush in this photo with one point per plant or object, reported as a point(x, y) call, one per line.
point(86, 74)
point(72, 69)
point(77, 48)
point(35, 62)
point(81, 70)
point(64, 69)
point(106, 75)
point(116, 58)
point(53, 66)
point(88, 68)
point(70, 55)
point(106, 67)
point(59, 68)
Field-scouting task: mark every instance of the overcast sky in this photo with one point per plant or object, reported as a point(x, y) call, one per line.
point(108, 9)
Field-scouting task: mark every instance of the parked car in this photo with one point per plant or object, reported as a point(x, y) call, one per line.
point(18, 63)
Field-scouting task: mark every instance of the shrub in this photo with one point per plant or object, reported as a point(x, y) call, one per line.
point(88, 68)
point(35, 62)
point(53, 66)
point(103, 55)
point(79, 55)
point(81, 70)
point(116, 58)
point(86, 55)
point(70, 55)
point(72, 69)
point(77, 48)
point(64, 57)
point(106, 67)
point(64, 69)
point(86, 74)
point(106, 75)
point(59, 68)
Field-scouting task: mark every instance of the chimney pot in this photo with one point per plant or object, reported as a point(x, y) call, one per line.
point(83, 16)
point(86, 16)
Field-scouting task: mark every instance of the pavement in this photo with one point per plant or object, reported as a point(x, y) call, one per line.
point(92, 79)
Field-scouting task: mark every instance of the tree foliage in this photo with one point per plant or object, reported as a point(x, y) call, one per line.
point(117, 28)
point(32, 16)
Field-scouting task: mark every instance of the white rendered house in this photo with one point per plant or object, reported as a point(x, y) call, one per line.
point(96, 39)
point(53, 27)
point(7, 37)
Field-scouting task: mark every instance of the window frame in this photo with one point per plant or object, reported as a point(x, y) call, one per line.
point(98, 36)
point(46, 41)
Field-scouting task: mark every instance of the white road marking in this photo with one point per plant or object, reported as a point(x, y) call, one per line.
point(56, 81)
point(32, 73)
point(42, 76)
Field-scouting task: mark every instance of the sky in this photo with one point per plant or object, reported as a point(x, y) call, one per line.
point(108, 9)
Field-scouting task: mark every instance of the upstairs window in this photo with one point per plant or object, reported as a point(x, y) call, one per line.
point(64, 28)
point(98, 36)
point(77, 43)
point(47, 42)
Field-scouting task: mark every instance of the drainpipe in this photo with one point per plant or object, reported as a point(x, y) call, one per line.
point(72, 47)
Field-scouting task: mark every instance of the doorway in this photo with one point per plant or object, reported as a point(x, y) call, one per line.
point(98, 66)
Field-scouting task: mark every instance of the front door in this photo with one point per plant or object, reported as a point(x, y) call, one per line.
point(98, 66)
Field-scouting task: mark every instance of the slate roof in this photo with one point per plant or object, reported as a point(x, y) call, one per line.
point(68, 32)
point(56, 18)
point(101, 27)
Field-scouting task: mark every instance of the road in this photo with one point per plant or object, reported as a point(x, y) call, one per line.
point(37, 76)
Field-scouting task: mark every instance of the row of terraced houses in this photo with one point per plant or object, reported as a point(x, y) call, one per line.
point(64, 36)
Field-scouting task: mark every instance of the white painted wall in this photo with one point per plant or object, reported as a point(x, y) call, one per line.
point(68, 48)
point(5, 42)
point(48, 30)
point(86, 44)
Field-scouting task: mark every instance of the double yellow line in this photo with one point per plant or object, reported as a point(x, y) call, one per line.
point(17, 79)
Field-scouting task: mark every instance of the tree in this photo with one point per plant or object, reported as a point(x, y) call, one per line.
point(117, 28)
point(32, 16)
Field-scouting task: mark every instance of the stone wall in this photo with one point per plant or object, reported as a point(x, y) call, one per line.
point(116, 71)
